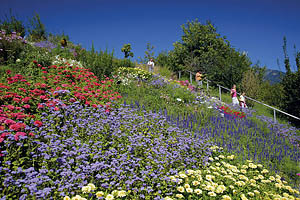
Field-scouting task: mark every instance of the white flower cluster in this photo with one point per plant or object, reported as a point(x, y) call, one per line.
point(62, 61)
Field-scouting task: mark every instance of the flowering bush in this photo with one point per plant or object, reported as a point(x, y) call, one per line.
point(127, 75)
point(11, 45)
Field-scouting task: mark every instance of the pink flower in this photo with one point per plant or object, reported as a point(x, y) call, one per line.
point(298, 174)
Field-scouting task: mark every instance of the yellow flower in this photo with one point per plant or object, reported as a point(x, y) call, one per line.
point(226, 197)
point(77, 197)
point(168, 198)
point(243, 171)
point(182, 175)
point(189, 190)
point(180, 189)
point(245, 167)
point(212, 194)
point(272, 178)
point(109, 197)
point(99, 194)
point(220, 189)
point(121, 193)
point(67, 198)
point(195, 183)
point(251, 194)
point(260, 176)
point(198, 191)
point(243, 197)
point(190, 172)
point(210, 187)
point(221, 156)
point(93, 187)
point(86, 189)
point(256, 191)
point(187, 185)
point(253, 166)
point(231, 186)
point(209, 177)
point(179, 196)
point(218, 164)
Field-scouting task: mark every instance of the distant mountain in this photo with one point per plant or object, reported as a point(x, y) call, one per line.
point(274, 76)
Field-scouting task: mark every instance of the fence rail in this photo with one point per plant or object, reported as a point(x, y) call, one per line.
point(220, 95)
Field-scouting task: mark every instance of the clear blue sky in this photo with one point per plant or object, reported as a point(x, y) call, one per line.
point(254, 26)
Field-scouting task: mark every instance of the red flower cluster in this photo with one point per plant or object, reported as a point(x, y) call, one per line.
point(231, 112)
point(22, 98)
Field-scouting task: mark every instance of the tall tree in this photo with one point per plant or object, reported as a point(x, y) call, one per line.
point(286, 57)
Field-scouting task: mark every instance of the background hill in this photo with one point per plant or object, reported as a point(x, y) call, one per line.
point(273, 76)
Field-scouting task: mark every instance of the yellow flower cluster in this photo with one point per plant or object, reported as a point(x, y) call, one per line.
point(223, 180)
point(88, 189)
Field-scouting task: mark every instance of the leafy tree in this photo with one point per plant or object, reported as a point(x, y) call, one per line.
point(202, 48)
point(163, 59)
point(127, 50)
point(37, 31)
point(291, 85)
point(12, 24)
point(251, 85)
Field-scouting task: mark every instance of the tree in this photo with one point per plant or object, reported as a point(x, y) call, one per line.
point(202, 48)
point(286, 57)
point(127, 50)
point(37, 31)
point(251, 85)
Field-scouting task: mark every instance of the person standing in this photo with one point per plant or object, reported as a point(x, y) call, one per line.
point(243, 100)
point(199, 79)
point(150, 65)
point(234, 96)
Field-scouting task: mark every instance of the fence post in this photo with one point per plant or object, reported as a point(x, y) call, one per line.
point(220, 92)
point(274, 115)
point(206, 85)
point(179, 75)
point(191, 79)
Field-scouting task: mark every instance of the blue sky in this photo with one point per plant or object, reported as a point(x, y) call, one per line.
point(254, 26)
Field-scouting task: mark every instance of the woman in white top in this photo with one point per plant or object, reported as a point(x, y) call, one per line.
point(151, 65)
point(243, 100)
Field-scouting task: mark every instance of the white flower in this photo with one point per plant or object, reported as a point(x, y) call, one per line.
point(109, 197)
point(178, 99)
point(86, 189)
point(198, 191)
point(121, 193)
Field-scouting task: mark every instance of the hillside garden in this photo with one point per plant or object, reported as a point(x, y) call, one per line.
point(78, 124)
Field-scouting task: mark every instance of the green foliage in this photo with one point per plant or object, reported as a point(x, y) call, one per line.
point(127, 50)
point(11, 46)
point(163, 59)
point(202, 48)
point(251, 85)
point(291, 100)
point(37, 31)
point(11, 24)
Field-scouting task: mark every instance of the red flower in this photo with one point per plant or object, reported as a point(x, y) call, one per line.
point(38, 123)
point(19, 134)
point(35, 62)
point(26, 106)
